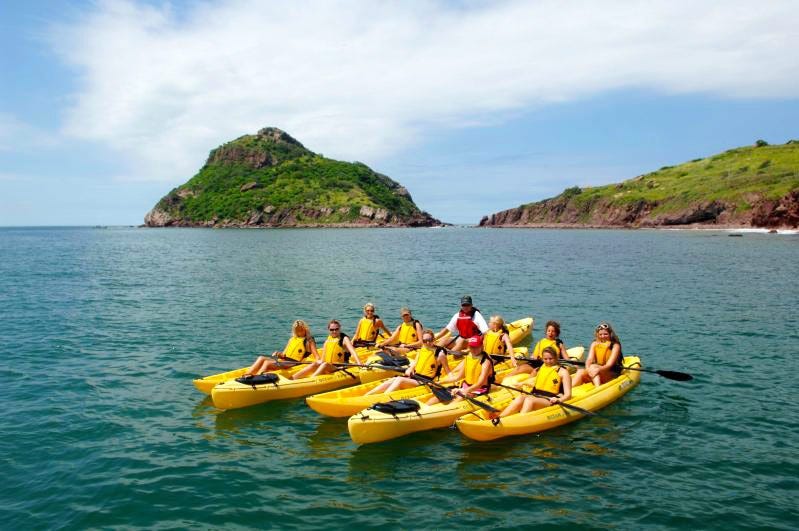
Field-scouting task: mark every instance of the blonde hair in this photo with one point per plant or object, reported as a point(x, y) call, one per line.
point(300, 324)
point(428, 331)
point(499, 319)
point(369, 305)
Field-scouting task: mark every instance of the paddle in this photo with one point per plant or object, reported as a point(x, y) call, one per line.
point(432, 385)
point(535, 363)
point(539, 395)
point(671, 375)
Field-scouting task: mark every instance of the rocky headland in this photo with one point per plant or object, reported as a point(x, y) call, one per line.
point(752, 186)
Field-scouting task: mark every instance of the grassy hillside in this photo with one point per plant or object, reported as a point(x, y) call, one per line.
point(731, 183)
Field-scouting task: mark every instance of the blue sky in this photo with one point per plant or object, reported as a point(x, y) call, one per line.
point(474, 106)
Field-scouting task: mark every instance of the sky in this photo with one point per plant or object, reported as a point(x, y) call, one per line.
point(473, 106)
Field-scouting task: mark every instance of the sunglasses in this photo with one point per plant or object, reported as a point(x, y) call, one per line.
point(334, 329)
point(603, 326)
point(427, 339)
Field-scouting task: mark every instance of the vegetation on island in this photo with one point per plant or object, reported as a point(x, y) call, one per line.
point(271, 179)
point(730, 187)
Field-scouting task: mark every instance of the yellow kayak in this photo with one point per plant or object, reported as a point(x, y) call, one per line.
point(371, 425)
point(233, 394)
point(586, 396)
point(518, 331)
point(205, 384)
point(347, 402)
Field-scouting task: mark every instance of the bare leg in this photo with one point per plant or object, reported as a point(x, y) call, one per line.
point(513, 407)
point(400, 382)
point(382, 387)
point(302, 372)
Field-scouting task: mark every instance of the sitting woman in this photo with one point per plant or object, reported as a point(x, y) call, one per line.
point(336, 349)
point(297, 349)
point(550, 380)
point(552, 340)
point(426, 363)
point(406, 337)
point(497, 340)
point(605, 360)
point(476, 370)
point(369, 327)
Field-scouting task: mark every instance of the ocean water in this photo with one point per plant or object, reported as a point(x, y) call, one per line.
point(102, 331)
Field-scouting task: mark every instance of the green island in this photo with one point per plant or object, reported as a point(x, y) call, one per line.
point(750, 186)
point(271, 180)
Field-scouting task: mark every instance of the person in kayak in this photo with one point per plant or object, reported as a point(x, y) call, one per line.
point(468, 322)
point(549, 379)
point(551, 339)
point(604, 360)
point(426, 363)
point(476, 370)
point(300, 346)
point(497, 340)
point(369, 327)
point(336, 349)
point(407, 336)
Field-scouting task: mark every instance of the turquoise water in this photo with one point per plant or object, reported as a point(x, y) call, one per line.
point(101, 332)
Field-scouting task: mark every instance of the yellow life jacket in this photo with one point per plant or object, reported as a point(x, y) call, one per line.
point(473, 368)
point(335, 351)
point(297, 348)
point(407, 333)
point(367, 329)
point(603, 351)
point(548, 379)
point(538, 351)
point(492, 342)
point(426, 364)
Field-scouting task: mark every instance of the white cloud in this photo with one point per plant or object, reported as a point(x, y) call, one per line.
point(16, 135)
point(362, 80)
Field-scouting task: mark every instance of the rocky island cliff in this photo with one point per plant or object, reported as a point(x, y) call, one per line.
point(751, 186)
point(271, 180)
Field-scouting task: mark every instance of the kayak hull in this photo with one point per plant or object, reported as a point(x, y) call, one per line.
point(233, 395)
point(586, 396)
point(207, 383)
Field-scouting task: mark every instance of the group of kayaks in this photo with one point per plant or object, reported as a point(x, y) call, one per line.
point(384, 416)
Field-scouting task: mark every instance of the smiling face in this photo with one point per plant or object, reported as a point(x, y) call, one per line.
point(551, 332)
point(406, 316)
point(369, 311)
point(603, 335)
point(549, 358)
point(494, 324)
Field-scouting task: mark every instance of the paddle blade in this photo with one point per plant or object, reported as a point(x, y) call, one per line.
point(674, 375)
point(442, 393)
point(483, 405)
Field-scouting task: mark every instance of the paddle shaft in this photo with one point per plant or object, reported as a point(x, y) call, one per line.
point(671, 375)
point(539, 395)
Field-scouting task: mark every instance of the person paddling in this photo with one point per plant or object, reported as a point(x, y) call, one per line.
point(466, 323)
point(369, 327)
point(605, 360)
point(551, 339)
point(549, 379)
point(476, 370)
point(336, 349)
point(300, 346)
point(426, 363)
point(407, 336)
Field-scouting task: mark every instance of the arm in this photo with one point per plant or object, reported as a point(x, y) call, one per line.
point(351, 350)
point(614, 357)
point(563, 354)
point(313, 349)
point(591, 359)
point(391, 339)
point(411, 368)
point(456, 374)
point(279, 353)
point(451, 326)
point(509, 349)
point(566, 379)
